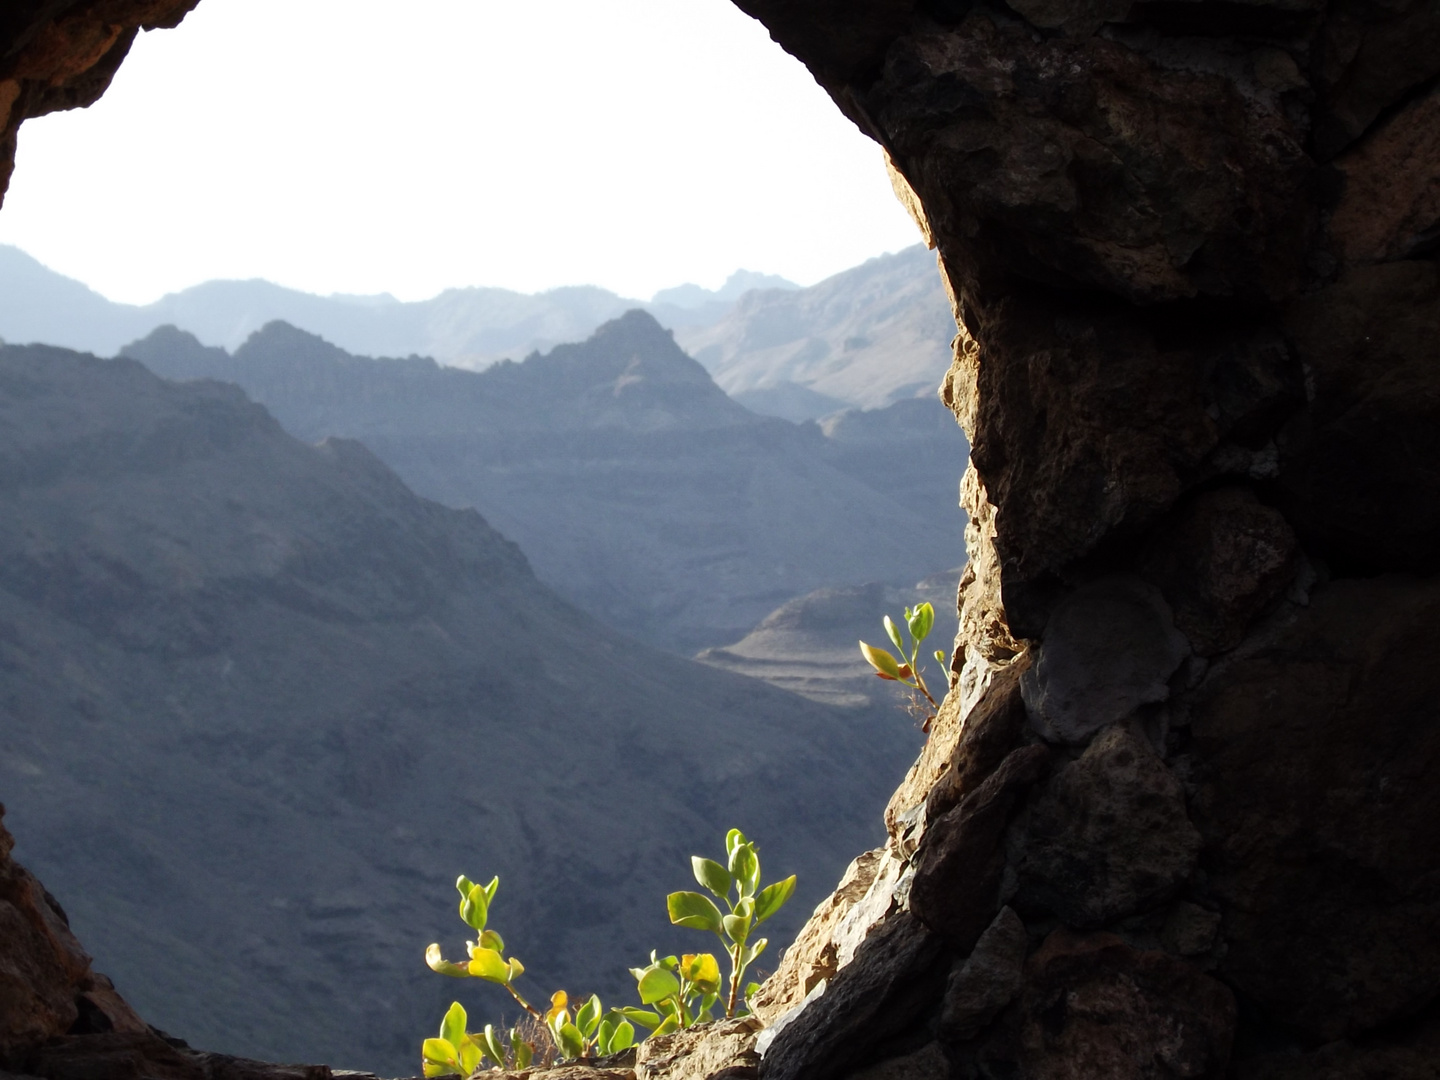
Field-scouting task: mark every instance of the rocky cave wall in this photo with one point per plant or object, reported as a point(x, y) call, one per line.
point(1178, 816)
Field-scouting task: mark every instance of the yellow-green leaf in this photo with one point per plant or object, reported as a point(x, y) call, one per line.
point(487, 964)
point(921, 620)
point(881, 660)
point(693, 910)
point(711, 874)
point(439, 964)
point(772, 898)
point(656, 985)
point(440, 1052)
point(452, 1028)
point(893, 633)
point(474, 909)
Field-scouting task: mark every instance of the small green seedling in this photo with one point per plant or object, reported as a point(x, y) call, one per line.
point(906, 671)
point(460, 1052)
point(750, 906)
point(682, 990)
point(590, 1029)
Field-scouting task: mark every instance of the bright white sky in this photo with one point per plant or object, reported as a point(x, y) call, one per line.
point(342, 146)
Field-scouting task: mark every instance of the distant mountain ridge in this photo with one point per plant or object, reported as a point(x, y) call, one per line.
point(260, 704)
point(863, 338)
point(867, 337)
point(634, 484)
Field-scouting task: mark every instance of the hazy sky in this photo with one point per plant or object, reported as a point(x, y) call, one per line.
point(335, 146)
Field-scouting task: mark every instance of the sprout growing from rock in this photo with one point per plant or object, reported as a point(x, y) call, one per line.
point(906, 670)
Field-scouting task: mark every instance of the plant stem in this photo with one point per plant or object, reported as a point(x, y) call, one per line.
point(734, 981)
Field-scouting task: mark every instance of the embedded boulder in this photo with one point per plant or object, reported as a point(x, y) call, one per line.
point(1108, 836)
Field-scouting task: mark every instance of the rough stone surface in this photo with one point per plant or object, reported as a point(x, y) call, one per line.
point(891, 985)
point(1224, 560)
point(927, 1063)
point(1107, 836)
point(1390, 208)
point(47, 987)
point(1190, 930)
point(1319, 803)
point(699, 1053)
point(1110, 647)
point(986, 981)
point(963, 749)
point(63, 55)
point(811, 958)
point(1360, 468)
point(1416, 1058)
point(959, 868)
point(1094, 1007)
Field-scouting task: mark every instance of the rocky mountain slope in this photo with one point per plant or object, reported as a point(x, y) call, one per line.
point(634, 485)
point(259, 704)
point(867, 337)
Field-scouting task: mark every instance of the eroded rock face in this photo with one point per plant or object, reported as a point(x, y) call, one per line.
point(62, 55)
point(1192, 250)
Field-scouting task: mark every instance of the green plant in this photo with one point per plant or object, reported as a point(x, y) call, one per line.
point(682, 989)
point(749, 907)
point(906, 670)
point(591, 1028)
point(458, 1051)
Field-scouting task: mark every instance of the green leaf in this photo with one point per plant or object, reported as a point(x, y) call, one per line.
point(471, 1057)
point(772, 898)
point(440, 1052)
point(474, 909)
point(921, 621)
point(671, 1023)
point(751, 989)
point(493, 1046)
point(624, 1037)
point(487, 964)
point(442, 966)
point(881, 660)
point(893, 632)
point(745, 869)
point(464, 885)
point(524, 1051)
point(572, 1043)
point(737, 928)
point(656, 985)
point(643, 1017)
point(491, 940)
point(751, 951)
point(712, 875)
point(516, 970)
point(491, 888)
point(693, 910)
point(606, 1032)
point(452, 1028)
point(589, 1016)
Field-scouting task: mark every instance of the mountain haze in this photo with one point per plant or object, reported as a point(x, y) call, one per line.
point(864, 338)
point(636, 487)
point(260, 704)
point(867, 337)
